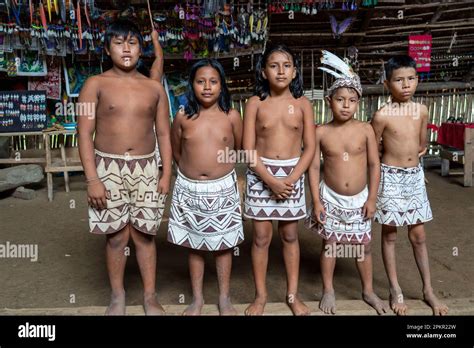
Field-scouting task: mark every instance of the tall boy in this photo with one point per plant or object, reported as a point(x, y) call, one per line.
point(119, 162)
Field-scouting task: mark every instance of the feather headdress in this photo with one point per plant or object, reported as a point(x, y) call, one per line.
point(345, 76)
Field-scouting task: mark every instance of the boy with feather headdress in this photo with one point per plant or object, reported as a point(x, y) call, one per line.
point(343, 202)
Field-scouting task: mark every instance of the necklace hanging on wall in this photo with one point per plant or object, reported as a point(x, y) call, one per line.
point(453, 41)
point(352, 53)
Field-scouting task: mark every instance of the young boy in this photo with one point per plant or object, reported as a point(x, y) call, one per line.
point(343, 206)
point(205, 214)
point(123, 186)
point(402, 198)
point(277, 122)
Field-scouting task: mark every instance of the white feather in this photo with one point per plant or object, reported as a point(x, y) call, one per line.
point(332, 72)
point(337, 63)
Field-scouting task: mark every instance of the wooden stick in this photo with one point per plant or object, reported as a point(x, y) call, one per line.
point(149, 13)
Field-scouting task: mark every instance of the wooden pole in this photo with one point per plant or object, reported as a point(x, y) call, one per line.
point(149, 13)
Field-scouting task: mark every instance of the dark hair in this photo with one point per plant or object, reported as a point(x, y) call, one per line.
point(122, 27)
point(142, 68)
point(262, 87)
point(398, 62)
point(193, 105)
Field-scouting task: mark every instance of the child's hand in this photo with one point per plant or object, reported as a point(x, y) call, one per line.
point(422, 153)
point(154, 35)
point(289, 180)
point(164, 185)
point(319, 212)
point(368, 210)
point(97, 195)
point(280, 189)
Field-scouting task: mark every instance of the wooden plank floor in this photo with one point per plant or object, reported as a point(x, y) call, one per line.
point(461, 306)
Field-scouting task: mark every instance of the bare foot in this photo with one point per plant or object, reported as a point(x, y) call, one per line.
point(438, 307)
point(328, 302)
point(117, 304)
point(297, 306)
point(151, 305)
point(257, 307)
point(226, 307)
point(374, 301)
point(195, 307)
point(397, 302)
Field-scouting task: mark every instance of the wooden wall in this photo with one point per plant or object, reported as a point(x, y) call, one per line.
point(440, 106)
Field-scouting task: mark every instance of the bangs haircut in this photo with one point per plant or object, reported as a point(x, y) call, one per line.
point(398, 62)
point(193, 106)
point(122, 28)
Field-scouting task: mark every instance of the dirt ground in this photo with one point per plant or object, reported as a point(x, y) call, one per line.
point(71, 261)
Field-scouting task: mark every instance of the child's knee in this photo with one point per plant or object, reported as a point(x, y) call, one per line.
point(389, 236)
point(262, 240)
point(289, 237)
point(367, 249)
point(417, 239)
point(224, 254)
point(118, 240)
point(141, 238)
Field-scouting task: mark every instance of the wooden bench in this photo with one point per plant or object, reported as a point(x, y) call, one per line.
point(466, 157)
point(29, 156)
point(62, 160)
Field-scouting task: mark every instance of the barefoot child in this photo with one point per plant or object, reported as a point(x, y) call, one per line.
point(402, 198)
point(277, 122)
point(123, 186)
point(343, 205)
point(205, 209)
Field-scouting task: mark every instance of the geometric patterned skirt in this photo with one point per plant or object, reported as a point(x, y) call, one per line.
point(206, 214)
point(258, 202)
point(344, 221)
point(131, 183)
point(402, 199)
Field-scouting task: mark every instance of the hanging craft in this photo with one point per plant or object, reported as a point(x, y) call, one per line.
point(31, 64)
point(369, 3)
point(339, 28)
point(60, 27)
point(419, 48)
point(51, 83)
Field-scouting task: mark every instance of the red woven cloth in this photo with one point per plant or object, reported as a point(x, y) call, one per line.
point(452, 134)
point(432, 126)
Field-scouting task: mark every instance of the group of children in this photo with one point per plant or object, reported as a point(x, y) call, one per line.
point(126, 191)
